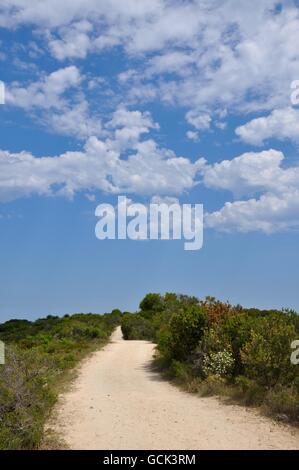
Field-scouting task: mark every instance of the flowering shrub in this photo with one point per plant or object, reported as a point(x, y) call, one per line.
point(220, 363)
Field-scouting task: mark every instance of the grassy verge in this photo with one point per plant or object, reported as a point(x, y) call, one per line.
point(40, 356)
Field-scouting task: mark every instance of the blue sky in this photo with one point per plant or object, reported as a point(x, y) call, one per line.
point(188, 100)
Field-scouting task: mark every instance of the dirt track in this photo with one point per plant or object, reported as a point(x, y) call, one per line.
point(117, 402)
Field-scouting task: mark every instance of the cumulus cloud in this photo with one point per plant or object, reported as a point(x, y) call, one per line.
point(57, 102)
point(270, 213)
point(279, 124)
point(198, 119)
point(102, 165)
point(265, 193)
point(220, 52)
point(276, 189)
point(210, 58)
point(251, 172)
point(225, 53)
point(74, 41)
point(75, 120)
point(46, 92)
point(128, 127)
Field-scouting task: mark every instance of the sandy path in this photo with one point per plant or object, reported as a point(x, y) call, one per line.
point(117, 402)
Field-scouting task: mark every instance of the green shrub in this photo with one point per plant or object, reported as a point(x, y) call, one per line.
point(136, 327)
point(151, 304)
point(25, 398)
point(266, 356)
point(186, 329)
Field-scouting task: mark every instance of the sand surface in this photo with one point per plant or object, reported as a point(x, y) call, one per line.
point(118, 402)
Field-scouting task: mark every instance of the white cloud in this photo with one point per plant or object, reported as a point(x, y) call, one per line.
point(220, 52)
point(57, 102)
point(198, 119)
point(46, 92)
point(74, 43)
point(276, 204)
point(279, 124)
point(132, 119)
point(251, 172)
point(269, 192)
point(75, 121)
point(211, 58)
point(55, 13)
point(169, 62)
point(192, 136)
point(221, 125)
point(91, 197)
point(102, 165)
point(270, 213)
point(242, 58)
point(128, 126)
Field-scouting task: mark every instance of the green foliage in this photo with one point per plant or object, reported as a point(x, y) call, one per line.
point(244, 352)
point(151, 304)
point(136, 327)
point(25, 397)
point(186, 329)
point(37, 356)
point(266, 355)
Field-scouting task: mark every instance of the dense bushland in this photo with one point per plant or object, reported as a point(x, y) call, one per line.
point(213, 347)
point(38, 354)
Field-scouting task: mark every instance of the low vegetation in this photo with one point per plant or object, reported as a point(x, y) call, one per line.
point(206, 346)
point(211, 347)
point(38, 355)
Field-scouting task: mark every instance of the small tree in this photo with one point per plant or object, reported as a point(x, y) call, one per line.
point(151, 304)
